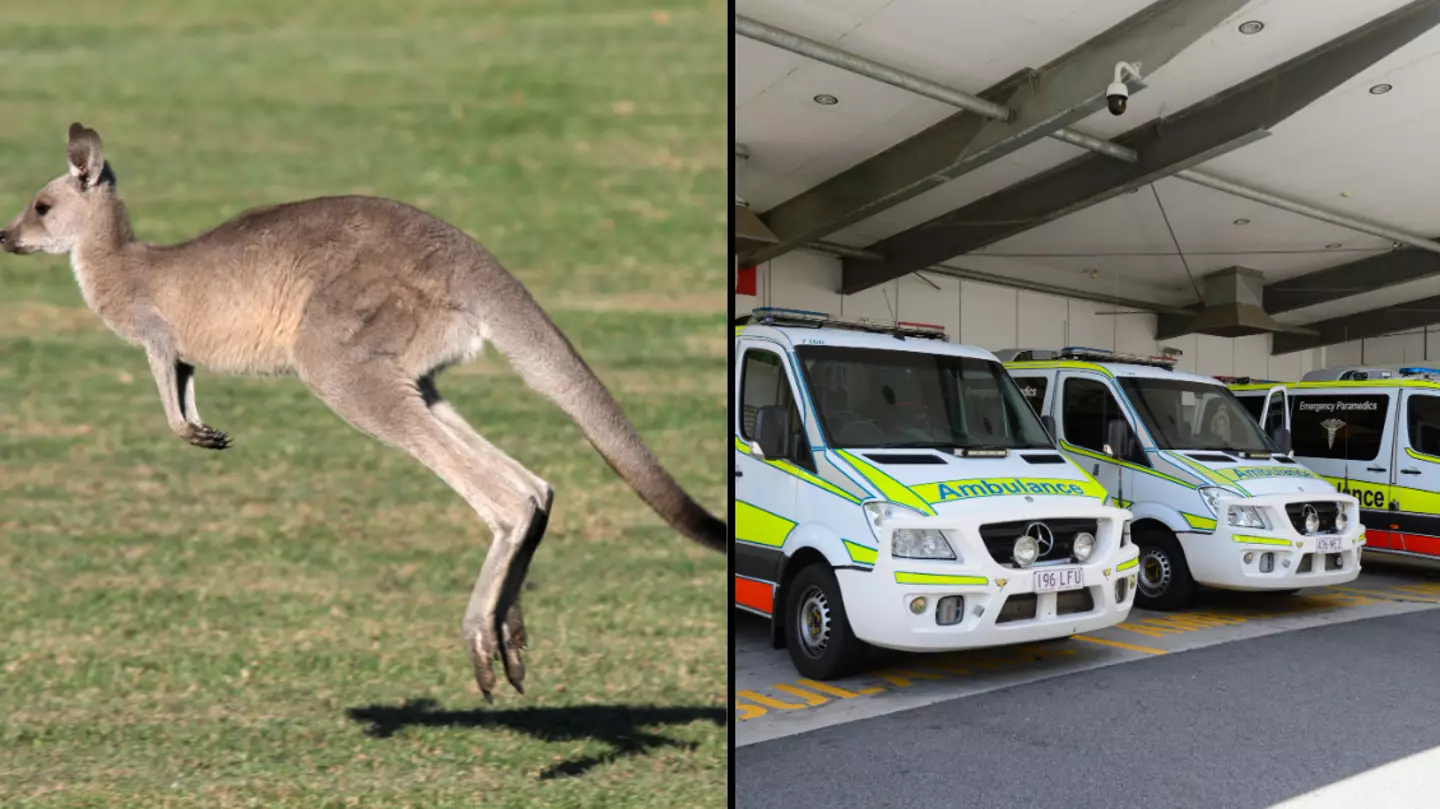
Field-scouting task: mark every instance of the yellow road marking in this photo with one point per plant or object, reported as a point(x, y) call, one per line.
point(836, 691)
point(771, 702)
point(1119, 644)
point(1391, 595)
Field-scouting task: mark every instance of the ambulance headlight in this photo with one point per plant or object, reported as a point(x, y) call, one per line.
point(1246, 517)
point(1341, 521)
point(1083, 546)
point(1211, 495)
point(920, 543)
point(881, 511)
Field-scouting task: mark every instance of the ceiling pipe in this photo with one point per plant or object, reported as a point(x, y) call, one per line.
point(1211, 181)
point(835, 57)
point(820, 52)
point(1054, 289)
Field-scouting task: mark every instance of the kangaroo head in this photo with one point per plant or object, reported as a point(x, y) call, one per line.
point(70, 206)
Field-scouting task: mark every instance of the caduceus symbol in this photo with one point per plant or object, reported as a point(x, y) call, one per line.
point(1332, 426)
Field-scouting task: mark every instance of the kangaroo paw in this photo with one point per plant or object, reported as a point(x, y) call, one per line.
point(483, 643)
point(512, 634)
point(207, 437)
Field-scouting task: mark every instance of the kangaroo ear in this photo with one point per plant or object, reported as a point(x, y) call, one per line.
point(87, 162)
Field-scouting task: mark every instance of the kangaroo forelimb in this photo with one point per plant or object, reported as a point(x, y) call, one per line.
point(176, 383)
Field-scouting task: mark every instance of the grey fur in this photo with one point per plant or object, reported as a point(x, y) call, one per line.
point(366, 300)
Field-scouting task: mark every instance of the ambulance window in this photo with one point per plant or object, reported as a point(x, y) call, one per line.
point(1254, 404)
point(1033, 388)
point(1423, 424)
point(1275, 418)
point(1089, 406)
point(763, 382)
point(1343, 427)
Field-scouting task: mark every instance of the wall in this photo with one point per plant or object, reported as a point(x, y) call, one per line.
point(996, 317)
point(1418, 347)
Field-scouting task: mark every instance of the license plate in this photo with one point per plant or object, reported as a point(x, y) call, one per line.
point(1328, 545)
point(1059, 578)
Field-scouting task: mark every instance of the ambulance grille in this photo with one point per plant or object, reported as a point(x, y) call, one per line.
point(1326, 510)
point(999, 538)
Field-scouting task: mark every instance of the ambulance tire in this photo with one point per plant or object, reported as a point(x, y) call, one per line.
point(1162, 558)
point(817, 630)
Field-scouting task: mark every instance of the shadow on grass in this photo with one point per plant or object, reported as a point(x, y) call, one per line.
point(620, 726)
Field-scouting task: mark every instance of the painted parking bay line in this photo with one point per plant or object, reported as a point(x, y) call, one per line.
point(773, 701)
point(1240, 616)
point(778, 703)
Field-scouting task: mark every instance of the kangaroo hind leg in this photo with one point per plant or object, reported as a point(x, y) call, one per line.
point(381, 402)
point(497, 589)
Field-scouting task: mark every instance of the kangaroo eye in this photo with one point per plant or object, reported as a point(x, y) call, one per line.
point(41, 209)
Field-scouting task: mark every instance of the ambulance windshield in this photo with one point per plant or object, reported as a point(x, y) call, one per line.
point(1183, 414)
point(871, 398)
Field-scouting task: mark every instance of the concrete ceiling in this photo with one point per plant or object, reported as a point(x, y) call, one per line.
point(1367, 156)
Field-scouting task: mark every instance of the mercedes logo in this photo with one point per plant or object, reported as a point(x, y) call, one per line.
point(1043, 536)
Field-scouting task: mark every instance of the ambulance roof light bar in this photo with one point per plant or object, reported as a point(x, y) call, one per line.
point(1248, 380)
point(776, 316)
point(1347, 373)
point(1105, 355)
point(1424, 373)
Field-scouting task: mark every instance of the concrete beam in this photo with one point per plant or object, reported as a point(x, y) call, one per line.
point(1352, 278)
point(1190, 137)
point(1361, 325)
point(1041, 102)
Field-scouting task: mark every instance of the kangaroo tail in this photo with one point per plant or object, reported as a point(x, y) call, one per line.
point(547, 362)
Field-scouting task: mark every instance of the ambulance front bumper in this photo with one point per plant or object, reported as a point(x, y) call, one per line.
point(1279, 557)
point(900, 603)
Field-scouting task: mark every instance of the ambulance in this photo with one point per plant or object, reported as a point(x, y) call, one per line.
point(1216, 501)
point(1374, 433)
point(894, 490)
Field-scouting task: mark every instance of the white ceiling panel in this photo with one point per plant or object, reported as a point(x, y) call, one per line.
point(795, 144)
point(1225, 57)
point(1027, 162)
point(1154, 279)
point(969, 46)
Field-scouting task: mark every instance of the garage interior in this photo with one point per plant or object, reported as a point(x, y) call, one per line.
point(1263, 205)
point(1266, 204)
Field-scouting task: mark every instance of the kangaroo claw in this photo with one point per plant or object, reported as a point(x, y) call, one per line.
point(207, 437)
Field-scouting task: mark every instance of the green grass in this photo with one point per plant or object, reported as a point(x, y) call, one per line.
point(278, 624)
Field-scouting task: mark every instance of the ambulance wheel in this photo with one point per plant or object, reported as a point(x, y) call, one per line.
point(817, 632)
point(1163, 580)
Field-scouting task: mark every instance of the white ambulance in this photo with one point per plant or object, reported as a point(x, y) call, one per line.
point(1215, 500)
point(894, 489)
point(1375, 433)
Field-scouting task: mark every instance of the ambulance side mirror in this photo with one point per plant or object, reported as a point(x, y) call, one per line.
point(1119, 440)
point(1281, 435)
point(772, 425)
point(1049, 422)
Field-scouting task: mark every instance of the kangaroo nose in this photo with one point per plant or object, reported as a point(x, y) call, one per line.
point(2, 237)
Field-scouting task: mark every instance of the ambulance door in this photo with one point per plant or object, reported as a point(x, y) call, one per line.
point(765, 493)
point(1276, 411)
point(1416, 490)
point(1085, 406)
point(1350, 438)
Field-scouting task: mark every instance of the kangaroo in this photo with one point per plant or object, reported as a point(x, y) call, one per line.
point(366, 300)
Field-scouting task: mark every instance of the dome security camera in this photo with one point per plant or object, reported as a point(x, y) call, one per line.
point(1117, 95)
